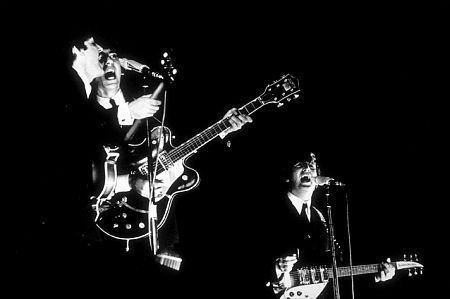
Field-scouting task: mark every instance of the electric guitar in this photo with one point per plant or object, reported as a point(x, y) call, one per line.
point(309, 282)
point(122, 212)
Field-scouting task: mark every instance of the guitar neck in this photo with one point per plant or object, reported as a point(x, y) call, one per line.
point(202, 138)
point(322, 273)
point(367, 269)
point(355, 270)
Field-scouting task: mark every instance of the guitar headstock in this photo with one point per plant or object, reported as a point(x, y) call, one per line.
point(168, 65)
point(411, 263)
point(284, 89)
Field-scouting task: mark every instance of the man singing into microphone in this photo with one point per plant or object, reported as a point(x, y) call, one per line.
point(300, 230)
point(102, 116)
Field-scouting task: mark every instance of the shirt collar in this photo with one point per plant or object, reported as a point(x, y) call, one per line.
point(105, 102)
point(298, 202)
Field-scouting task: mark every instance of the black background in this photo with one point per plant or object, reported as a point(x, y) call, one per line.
point(372, 77)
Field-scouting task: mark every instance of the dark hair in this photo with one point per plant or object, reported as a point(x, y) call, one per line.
point(76, 33)
point(294, 158)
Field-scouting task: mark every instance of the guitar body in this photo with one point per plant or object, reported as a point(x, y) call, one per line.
point(123, 213)
point(310, 291)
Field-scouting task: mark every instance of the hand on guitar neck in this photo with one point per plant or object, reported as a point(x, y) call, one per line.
point(385, 271)
point(236, 120)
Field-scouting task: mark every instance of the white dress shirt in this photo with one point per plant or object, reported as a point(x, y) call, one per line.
point(298, 204)
point(123, 112)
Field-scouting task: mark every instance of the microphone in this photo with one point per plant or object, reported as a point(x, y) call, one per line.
point(324, 180)
point(133, 65)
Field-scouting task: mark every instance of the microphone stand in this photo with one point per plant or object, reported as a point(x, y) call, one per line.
point(151, 176)
point(151, 173)
point(152, 211)
point(333, 248)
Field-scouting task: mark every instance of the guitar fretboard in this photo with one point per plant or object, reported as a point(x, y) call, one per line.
point(355, 270)
point(190, 146)
point(210, 133)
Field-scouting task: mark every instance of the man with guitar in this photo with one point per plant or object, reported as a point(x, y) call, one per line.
point(101, 115)
point(113, 114)
point(302, 237)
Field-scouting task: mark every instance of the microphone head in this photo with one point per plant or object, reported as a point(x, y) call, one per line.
point(324, 180)
point(132, 65)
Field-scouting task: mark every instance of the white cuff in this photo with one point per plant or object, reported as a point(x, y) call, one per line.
point(124, 115)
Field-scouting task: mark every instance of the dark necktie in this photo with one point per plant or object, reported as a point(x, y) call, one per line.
point(113, 103)
point(303, 214)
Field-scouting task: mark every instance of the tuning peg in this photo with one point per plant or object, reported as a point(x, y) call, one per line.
point(409, 272)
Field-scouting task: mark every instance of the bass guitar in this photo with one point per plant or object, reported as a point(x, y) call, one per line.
point(122, 212)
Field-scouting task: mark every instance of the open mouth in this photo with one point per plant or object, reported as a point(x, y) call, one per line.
point(110, 75)
point(305, 179)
